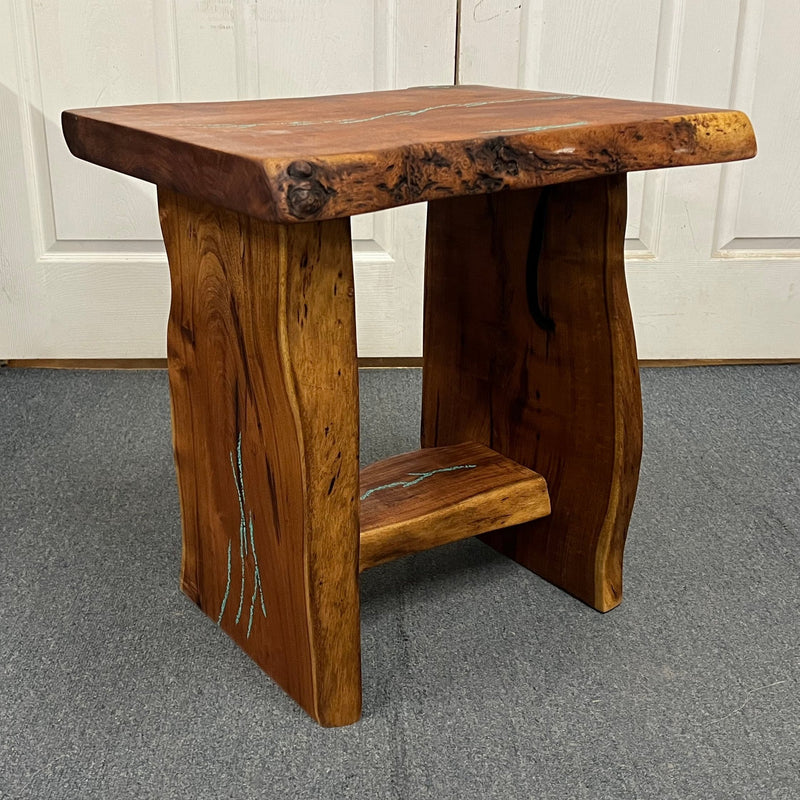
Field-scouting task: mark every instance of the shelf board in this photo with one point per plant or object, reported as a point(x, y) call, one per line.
point(437, 495)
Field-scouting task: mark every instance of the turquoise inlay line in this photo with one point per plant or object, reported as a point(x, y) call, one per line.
point(417, 111)
point(412, 112)
point(256, 569)
point(238, 479)
point(256, 581)
point(242, 523)
point(252, 605)
point(420, 477)
point(535, 128)
point(242, 500)
point(240, 493)
point(227, 586)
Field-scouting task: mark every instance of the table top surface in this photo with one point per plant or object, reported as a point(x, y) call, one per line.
point(302, 159)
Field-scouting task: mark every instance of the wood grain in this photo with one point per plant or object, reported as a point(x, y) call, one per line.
point(325, 157)
point(430, 497)
point(529, 349)
point(262, 368)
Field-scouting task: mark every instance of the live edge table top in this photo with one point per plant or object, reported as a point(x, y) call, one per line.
point(318, 158)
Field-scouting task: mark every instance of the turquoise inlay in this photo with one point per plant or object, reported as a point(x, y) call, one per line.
point(256, 570)
point(415, 112)
point(242, 541)
point(242, 522)
point(420, 477)
point(402, 113)
point(252, 605)
point(238, 479)
point(242, 501)
point(535, 128)
point(256, 581)
point(227, 586)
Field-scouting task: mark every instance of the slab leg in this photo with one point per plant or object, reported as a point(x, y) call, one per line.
point(264, 388)
point(529, 349)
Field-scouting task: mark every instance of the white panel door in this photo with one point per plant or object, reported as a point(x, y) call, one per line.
point(713, 252)
point(82, 268)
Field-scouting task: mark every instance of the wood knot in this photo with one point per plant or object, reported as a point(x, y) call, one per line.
point(505, 159)
point(300, 169)
point(306, 193)
point(307, 199)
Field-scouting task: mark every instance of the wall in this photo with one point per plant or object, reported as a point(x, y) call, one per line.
point(713, 252)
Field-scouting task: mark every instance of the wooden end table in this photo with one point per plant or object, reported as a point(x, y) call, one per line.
point(529, 355)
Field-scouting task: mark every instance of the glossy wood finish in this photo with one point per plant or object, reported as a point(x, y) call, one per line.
point(324, 157)
point(529, 349)
point(529, 371)
point(265, 433)
point(430, 497)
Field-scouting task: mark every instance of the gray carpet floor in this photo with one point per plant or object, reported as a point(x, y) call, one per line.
point(480, 679)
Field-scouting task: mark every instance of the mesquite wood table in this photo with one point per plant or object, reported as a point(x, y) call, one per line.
point(529, 355)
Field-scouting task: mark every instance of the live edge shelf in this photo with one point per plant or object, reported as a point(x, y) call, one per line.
point(441, 494)
point(531, 412)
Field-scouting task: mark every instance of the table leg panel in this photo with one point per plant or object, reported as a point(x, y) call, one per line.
point(529, 349)
point(264, 388)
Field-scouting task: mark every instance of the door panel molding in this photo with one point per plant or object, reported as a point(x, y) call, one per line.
point(82, 263)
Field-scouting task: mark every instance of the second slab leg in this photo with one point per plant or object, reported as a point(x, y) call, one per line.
point(529, 349)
